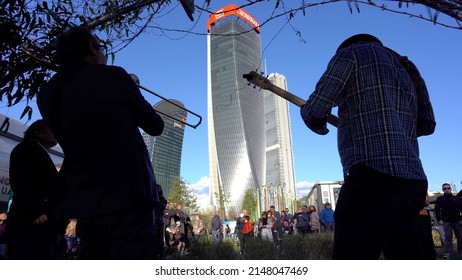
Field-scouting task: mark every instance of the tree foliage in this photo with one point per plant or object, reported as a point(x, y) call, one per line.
point(119, 22)
point(181, 193)
point(250, 202)
point(223, 198)
point(38, 23)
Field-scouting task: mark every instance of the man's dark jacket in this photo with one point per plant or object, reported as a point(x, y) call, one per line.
point(448, 208)
point(95, 112)
point(32, 174)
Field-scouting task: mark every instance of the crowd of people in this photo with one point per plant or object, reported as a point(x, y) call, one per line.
point(273, 225)
point(95, 112)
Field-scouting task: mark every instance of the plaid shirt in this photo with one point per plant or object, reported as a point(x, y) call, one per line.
point(381, 112)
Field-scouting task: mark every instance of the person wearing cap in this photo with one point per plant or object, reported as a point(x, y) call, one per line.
point(383, 106)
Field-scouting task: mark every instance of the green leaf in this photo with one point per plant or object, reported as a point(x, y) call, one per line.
point(27, 110)
point(5, 125)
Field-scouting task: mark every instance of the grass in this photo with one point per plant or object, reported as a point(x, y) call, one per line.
point(292, 247)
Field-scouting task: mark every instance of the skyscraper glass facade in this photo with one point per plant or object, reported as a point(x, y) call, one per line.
point(236, 124)
point(165, 150)
point(279, 156)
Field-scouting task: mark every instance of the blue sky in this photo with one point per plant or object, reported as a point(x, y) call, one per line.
point(173, 64)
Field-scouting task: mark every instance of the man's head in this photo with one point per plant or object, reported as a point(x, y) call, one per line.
point(327, 205)
point(3, 218)
point(357, 39)
point(79, 44)
point(446, 188)
point(40, 132)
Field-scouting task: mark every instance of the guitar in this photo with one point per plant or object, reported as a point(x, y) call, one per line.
point(262, 82)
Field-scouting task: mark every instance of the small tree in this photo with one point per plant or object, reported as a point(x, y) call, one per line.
point(250, 202)
point(181, 193)
point(223, 199)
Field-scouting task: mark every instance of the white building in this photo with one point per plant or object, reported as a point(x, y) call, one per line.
point(279, 153)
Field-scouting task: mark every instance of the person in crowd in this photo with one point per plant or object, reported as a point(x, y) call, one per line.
point(216, 228)
point(159, 224)
point(185, 225)
point(106, 181)
point(227, 230)
point(265, 226)
point(72, 250)
point(277, 232)
point(3, 246)
point(383, 106)
point(239, 230)
point(174, 239)
point(247, 231)
point(425, 229)
point(198, 227)
point(32, 233)
point(287, 222)
point(314, 219)
point(302, 218)
point(167, 218)
point(448, 209)
point(190, 231)
point(327, 218)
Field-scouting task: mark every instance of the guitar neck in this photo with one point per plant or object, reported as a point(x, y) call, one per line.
point(262, 82)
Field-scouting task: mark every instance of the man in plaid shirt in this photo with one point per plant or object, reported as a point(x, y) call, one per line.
point(383, 106)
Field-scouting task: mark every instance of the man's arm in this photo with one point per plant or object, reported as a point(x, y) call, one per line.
point(438, 210)
point(425, 119)
point(145, 116)
point(329, 88)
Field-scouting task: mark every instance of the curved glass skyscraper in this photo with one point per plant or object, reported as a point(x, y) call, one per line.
point(236, 114)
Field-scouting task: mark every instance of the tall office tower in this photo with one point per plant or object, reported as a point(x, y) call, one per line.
point(236, 124)
point(165, 149)
point(279, 155)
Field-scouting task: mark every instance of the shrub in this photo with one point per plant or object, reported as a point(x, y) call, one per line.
point(292, 247)
point(206, 249)
point(307, 247)
point(259, 249)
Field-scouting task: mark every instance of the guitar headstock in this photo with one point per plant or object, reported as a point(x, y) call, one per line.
point(257, 80)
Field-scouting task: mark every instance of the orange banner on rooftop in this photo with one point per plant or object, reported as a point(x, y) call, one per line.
point(232, 10)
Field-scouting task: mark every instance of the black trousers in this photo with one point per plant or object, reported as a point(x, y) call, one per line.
point(126, 235)
point(376, 213)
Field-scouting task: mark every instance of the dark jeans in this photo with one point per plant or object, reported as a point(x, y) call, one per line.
point(448, 245)
point(126, 235)
point(378, 213)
